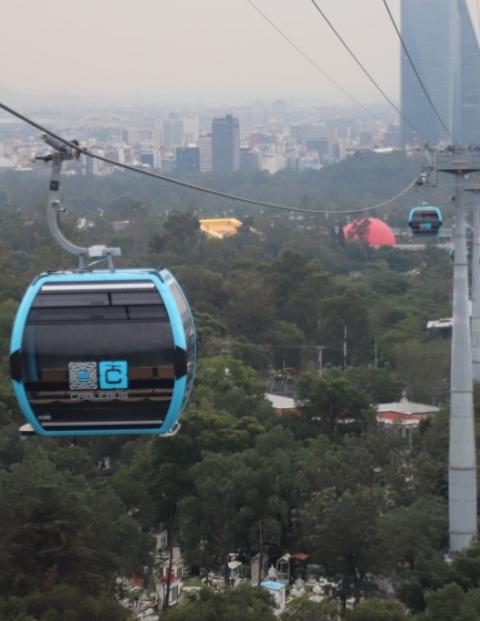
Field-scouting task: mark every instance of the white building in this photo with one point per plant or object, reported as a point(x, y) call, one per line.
point(205, 153)
point(404, 413)
point(278, 592)
point(272, 161)
point(191, 127)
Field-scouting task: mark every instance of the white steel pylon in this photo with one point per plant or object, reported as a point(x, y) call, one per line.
point(462, 464)
point(475, 323)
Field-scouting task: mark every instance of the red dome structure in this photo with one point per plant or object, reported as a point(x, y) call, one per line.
point(373, 231)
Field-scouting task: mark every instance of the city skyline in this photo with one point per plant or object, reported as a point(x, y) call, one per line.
point(216, 50)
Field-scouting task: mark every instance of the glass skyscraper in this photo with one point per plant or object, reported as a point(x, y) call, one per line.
point(441, 40)
point(469, 127)
point(225, 144)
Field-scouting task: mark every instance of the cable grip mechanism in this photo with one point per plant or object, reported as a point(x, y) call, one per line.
point(87, 256)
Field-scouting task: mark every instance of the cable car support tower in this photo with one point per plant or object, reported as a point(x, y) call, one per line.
point(462, 470)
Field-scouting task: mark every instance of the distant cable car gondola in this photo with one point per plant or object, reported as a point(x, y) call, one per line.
point(97, 352)
point(425, 220)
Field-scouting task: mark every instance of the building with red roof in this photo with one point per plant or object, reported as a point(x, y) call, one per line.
point(404, 413)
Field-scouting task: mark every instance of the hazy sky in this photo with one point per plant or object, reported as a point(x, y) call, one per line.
point(200, 49)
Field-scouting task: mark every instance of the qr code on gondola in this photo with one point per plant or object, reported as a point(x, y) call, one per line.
point(82, 375)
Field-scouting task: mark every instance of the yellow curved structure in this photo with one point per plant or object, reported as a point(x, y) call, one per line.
point(220, 227)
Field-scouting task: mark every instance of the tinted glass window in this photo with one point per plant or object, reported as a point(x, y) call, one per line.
point(91, 313)
point(142, 344)
point(147, 312)
point(134, 297)
point(71, 299)
point(58, 333)
point(188, 327)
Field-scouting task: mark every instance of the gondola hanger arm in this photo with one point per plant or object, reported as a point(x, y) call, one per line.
point(97, 252)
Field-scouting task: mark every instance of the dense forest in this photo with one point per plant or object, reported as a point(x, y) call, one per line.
point(368, 505)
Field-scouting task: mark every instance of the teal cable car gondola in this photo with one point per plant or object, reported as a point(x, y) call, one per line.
point(96, 352)
point(103, 353)
point(425, 220)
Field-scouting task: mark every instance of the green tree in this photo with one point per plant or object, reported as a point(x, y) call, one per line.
point(426, 381)
point(404, 541)
point(244, 603)
point(208, 517)
point(332, 404)
point(304, 609)
point(230, 385)
point(250, 309)
point(381, 384)
point(430, 456)
point(445, 604)
point(56, 529)
point(344, 324)
point(299, 289)
point(68, 602)
point(434, 574)
point(376, 610)
point(14, 609)
point(340, 531)
point(287, 342)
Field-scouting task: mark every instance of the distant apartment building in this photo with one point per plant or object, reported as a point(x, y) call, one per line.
point(157, 137)
point(205, 153)
point(147, 158)
point(187, 159)
point(93, 167)
point(165, 159)
point(321, 145)
point(272, 160)
point(134, 135)
point(441, 41)
point(225, 145)
point(191, 127)
point(248, 160)
point(172, 131)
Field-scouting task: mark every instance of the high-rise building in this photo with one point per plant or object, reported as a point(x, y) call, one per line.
point(321, 145)
point(172, 131)
point(248, 159)
point(191, 127)
point(147, 159)
point(441, 41)
point(469, 131)
point(225, 144)
point(157, 138)
point(205, 153)
point(187, 159)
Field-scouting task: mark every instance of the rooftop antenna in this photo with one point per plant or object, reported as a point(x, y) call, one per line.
point(98, 253)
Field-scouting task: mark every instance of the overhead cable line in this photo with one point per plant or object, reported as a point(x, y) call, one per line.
point(311, 61)
point(191, 186)
point(365, 71)
point(420, 81)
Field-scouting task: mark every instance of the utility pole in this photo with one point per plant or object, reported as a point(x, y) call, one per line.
point(320, 349)
point(462, 470)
